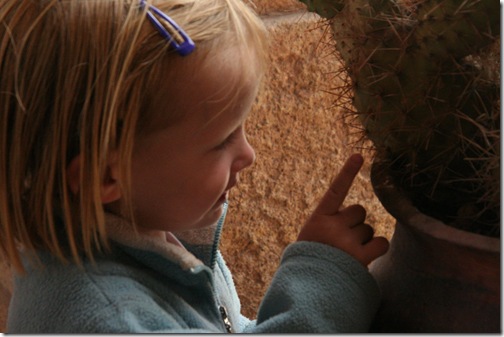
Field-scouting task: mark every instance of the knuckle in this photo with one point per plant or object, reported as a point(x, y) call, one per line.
point(356, 212)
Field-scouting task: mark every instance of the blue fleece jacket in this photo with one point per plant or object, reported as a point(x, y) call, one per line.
point(151, 284)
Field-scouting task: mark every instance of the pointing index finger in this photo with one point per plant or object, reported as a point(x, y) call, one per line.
point(334, 197)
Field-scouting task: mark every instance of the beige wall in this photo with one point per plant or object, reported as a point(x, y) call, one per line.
point(300, 142)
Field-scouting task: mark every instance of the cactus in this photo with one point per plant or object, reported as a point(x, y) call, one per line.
point(424, 81)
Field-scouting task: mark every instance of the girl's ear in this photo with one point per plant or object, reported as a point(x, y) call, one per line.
point(109, 189)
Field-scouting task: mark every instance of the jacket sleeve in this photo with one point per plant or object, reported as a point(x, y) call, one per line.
point(318, 289)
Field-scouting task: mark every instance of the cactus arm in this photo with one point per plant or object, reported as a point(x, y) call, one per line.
point(427, 107)
point(448, 28)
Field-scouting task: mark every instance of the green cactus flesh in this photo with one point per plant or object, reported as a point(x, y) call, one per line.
point(428, 98)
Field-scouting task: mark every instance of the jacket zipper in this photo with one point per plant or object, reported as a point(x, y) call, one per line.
point(222, 309)
point(225, 319)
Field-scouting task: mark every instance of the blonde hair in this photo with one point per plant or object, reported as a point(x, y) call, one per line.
point(76, 77)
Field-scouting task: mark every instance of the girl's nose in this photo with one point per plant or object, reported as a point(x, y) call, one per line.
point(245, 158)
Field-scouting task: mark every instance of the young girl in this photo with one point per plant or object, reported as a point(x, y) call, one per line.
point(122, 132)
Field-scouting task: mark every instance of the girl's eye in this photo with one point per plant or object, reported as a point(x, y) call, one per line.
point(228, 141)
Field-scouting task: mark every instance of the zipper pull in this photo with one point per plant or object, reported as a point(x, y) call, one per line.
point(225, 319)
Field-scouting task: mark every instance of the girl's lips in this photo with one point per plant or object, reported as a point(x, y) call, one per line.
point(223, 197)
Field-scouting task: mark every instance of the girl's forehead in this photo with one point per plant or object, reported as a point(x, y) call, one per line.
point(226, 83)
point(232, 70)
point(204, 88)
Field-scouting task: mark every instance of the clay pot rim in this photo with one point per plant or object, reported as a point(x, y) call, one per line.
point(401, 208)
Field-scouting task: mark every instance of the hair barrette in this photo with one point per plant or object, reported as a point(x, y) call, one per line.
point(176, 36)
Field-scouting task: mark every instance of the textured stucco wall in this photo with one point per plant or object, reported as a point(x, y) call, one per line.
point(300, 140)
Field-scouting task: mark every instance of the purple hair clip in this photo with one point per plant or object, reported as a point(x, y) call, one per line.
point(176, 36)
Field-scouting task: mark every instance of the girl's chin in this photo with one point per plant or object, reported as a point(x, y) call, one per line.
point(216, 212)
point(212, 215)
point(210, 218)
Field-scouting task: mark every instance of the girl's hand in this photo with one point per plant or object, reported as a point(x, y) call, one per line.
point(344, 228)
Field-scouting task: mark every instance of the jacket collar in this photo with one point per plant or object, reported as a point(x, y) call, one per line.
point(198, 247)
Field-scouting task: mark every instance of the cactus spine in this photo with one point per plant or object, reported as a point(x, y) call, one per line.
point(428, 98)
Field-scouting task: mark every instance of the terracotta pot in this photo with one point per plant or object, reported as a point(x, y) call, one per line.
point(435, 278)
